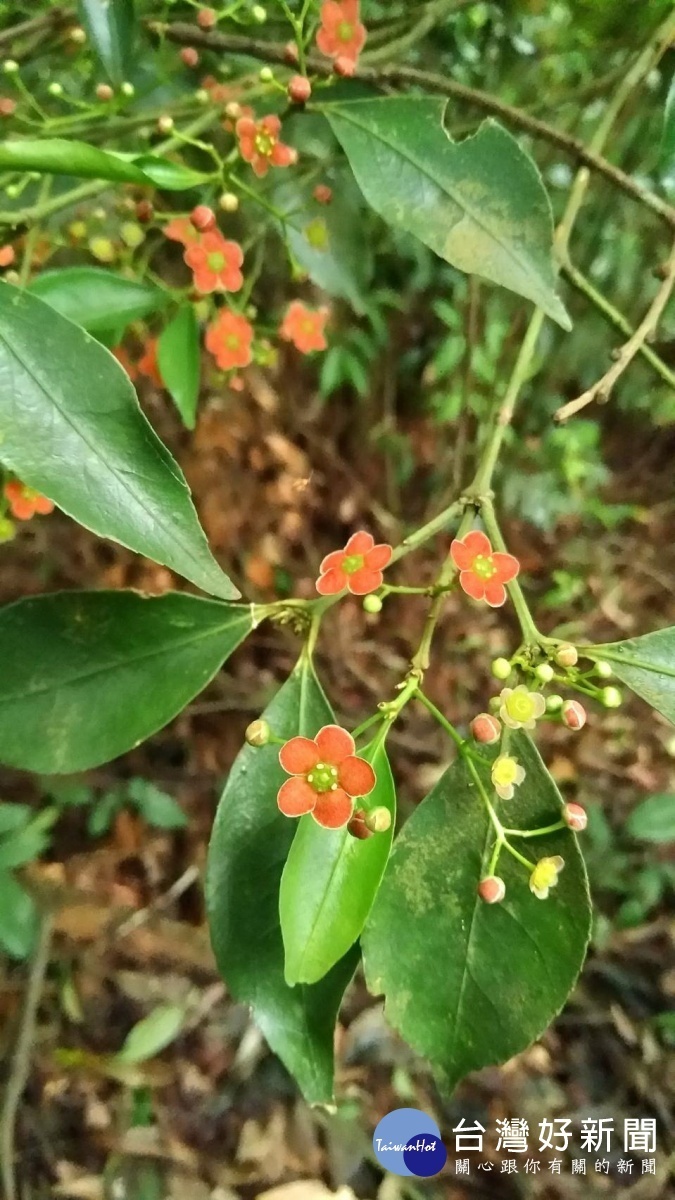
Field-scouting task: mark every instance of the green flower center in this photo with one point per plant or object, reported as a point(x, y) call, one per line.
point(483, 566)
point(345, 31)
point(520, 706)
point(323, 777)
point(216, 261)
point(351, 562)
point(232, 341)
point(264, 143)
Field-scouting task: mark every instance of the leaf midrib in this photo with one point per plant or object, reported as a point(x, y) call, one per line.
point(638, 664)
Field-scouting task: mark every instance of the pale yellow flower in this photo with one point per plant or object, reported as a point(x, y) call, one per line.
point(507, 773)
point(545, 875)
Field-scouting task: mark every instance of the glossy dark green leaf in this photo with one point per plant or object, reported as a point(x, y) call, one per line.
point(328, 240)
point(647, 665)
point(97, 299)
point(330, 881)
point(71, 427)
point(18, 917)
point(60, 156)
point(467, 983)
point(110, 25)
point(98, 672)
point(654, 819)
point(249, 845)
point(480, 204)
point(178, 355)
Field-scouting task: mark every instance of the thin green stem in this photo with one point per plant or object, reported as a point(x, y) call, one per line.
point(360, 729)
point(530, 833)
point(436, 525)
point(530, 632)
point(521, 857)
point(436, 713)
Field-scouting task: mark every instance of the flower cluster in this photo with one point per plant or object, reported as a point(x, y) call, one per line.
point(326, 776)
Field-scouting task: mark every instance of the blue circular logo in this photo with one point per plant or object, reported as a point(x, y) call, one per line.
point(408, 1142)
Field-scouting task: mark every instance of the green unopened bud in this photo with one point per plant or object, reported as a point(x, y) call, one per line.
point(259, 14)
point(202, 96)
point(372, 604)
point(132, 234)
point(258, 733)
point(12, 190)
point(266, 75)
point(554, 703)
point(378, 820)
point(55, 89)
point(603, 669)
point(78, 35)
point(165, 123)
point(545, 672)
point(611, 697)
point(10, 66)
point(102, 249)
point(494, 703)
point(501, 668)
point(566, 655)
point(127, 89)
point(229, 202)
point(7, 529)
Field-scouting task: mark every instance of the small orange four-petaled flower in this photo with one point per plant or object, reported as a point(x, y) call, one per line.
point(259, 144)
point(24, 502)
point(229, 338)
point(358, 567)
point(304, 327)
point(326, 776)
point(341, 34)
point(483, 572)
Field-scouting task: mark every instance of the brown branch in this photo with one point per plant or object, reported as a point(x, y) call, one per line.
point(602, 390)
point(56, 16)
point(191, 35)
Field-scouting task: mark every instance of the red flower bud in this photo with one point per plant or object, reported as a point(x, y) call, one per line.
point(486, 729)
point(299, 89)
point(189, 56)
point(203, 218)
point(322, 193)
point(357, 826)
point(104, 91)
point(573, 714)
point(7, 106)
point(144, 211)
point(492, 889)
point(344, 66)
point(206, 18)
point(575, 817)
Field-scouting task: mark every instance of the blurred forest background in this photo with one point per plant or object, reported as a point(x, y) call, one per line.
point(377, 433)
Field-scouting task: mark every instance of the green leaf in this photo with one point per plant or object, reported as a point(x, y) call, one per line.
point(646, 664)
point(61, 156)
point(104, 812)
point(654, 819)
point(97, 299)
point(480, 204)
point(153, 1034)
point(110, 25)
point(668, 134)
point(330, 881)
point(18, 917)
point(71, 427)
point(13, 816)
point(328, 241)
point(26, 844)
point(156, 807)
point(249, 845)
point(179, 362)
point(95, 673)
point(467, 983)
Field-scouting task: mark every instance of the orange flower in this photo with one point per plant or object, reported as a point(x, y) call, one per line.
point(215, 263)
point(327, 774)
point(341, 34)
point(181, 229)
point(7, 256)
point(229, 338)
point(124, 360)
point(148, 365)
point(482, 573)
point(304, 327)
point(259, 144)
point(358, 567)
point(25, 502)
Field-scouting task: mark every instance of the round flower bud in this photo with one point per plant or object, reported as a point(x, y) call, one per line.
point(345, 67)
point(357, 826)
point(206, 18)
point(544, 672)
point(495, 703)
point(55, 89)
point(229, 202)
point(573, 714)
point(202, 96)
point(378, 820)
point(611, 697)
point(10, 66)
point(554, 703)
point(603, 669)
point(104, 91)
point(258, 733)
point(165, 123)
point(251, 312)
point(492, 889)
point(78, 35)
point(13, 277)
point(189, 56)
point(132, 235)
point(299, 89)
point(372, 604)
point(259, 14)
point(233, 110)
point(322, 193)
point(102, 249)
point(575, 817)
point(486, 729)
point(127, 89)
point(566, 655)
point(203, 218)
point(501, 668)
point(266, 75)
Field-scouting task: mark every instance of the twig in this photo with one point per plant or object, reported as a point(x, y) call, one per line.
point(20, 1069)
point(602, 390)
point(192, 35)
point(615, 318)
point(56, 16)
